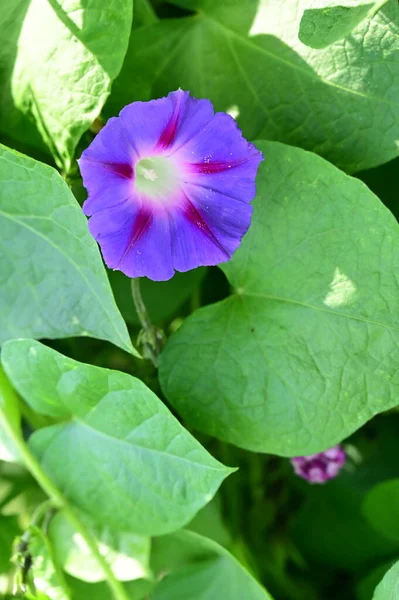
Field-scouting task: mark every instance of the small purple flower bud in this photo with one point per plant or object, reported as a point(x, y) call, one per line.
point(319, 468)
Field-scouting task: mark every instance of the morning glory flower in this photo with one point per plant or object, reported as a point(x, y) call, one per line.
point(318, 468)
point(169, 186)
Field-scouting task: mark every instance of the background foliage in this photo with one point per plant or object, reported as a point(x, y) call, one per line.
point(117, 483)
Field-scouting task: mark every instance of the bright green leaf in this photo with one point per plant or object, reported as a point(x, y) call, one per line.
point(306, 350)
point(341, 102)
point(9, 416)
point(126, 553)
point(326, 21)
point(388, 589)
point(58, 61)
point(45, 571)
point(135, 590)
point(200, 569)
point(381, 507)
point(52, 278)
point(122, 457)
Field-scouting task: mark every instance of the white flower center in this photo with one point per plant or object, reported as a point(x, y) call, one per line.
point(156, 177)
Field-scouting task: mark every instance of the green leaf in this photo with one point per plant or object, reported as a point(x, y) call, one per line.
point(126, 553)
point(9, 530)
point(58, 61)
point(366, 586)
point(162, 298)
point(305, 351)
point(200, 569)
point(46, 573)
point(381, 508)
point(331, 530)
point(326, 21)
point(122, 457)
point(341, 102)
point(388, 589)
point(135, 590)
point(209, 523)
point(53, 281)
point(9, 417)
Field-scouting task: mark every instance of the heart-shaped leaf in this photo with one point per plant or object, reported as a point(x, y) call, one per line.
point(53, 282)
point(306, 349)
point(121, 456)
point(341, 102)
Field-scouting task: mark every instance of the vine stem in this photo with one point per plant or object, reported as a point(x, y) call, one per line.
point(142, 312)
point(150, 338)
point(53, 492)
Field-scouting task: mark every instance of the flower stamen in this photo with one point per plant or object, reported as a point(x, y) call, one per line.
point(156, 177)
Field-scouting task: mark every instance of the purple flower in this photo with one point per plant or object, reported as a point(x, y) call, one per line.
point(169, 184)
point(318, 468)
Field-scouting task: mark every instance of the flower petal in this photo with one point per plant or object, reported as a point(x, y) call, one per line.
point(227, 217)
point(135, 239)
point(219, 157)
point(107, 168)
point(159, 125)
point(169, 186)
point(189, 117)
point(151, 253)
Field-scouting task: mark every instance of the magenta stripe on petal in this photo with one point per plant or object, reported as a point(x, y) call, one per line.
point(208, 168)
point(196, 219)
point(123, 170)
point(169, 133)
point(141, 223)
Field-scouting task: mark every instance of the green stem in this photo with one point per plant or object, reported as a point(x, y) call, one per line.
point(151, 339)
point(376, 8)
point(141, 310)
point(8, 397)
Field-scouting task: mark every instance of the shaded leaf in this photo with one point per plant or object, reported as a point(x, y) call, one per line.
point(381, 508)
point(200, 569)
point(9, 530)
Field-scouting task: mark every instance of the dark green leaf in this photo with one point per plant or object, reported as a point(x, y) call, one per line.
point(330, 529)
point(9, 530)
point(381, 508)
